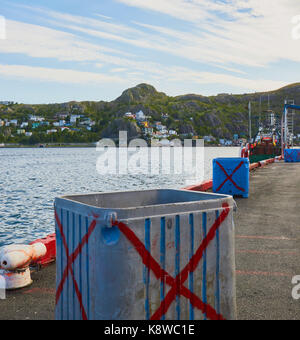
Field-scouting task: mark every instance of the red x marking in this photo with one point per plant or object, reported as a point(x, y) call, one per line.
point(70, 260)
point(229, 178)
point(177, 284)
point(288, 156)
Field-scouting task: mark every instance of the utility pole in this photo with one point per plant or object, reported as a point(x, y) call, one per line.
point(250, 122)
point(260, 108)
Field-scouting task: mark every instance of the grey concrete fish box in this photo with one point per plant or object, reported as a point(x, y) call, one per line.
point(139, 255)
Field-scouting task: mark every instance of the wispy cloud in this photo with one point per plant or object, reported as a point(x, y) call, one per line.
point(103, 16)
point(64, 76)
point(242, 32)
point(43, 42)
point(230, 36)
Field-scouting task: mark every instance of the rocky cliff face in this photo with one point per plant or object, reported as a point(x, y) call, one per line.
point(139, 94)
point(112, 131)
point(222, 115)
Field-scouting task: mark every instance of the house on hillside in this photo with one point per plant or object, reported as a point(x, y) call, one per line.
point(129, 115)
point(21, 132)
point(209, 139)
point(73, 119)
point(173, 133)
point(14, 122)
point(24, 124)
point(140, 116)
point(33, 118)
point(51, 131)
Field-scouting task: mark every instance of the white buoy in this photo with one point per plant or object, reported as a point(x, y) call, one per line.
point(15, 261)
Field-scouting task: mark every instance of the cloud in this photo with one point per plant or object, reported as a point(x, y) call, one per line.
point(257, 85)
point(242, 32)
point(64, 76)
point(43, 42)
point(103, 16)
point(231, 35)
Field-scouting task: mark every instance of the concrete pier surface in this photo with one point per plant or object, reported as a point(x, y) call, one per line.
point(267, 254)
point(268, 244)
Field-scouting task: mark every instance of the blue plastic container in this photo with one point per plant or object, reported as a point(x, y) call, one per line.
point(231, 176)
point(292, 155)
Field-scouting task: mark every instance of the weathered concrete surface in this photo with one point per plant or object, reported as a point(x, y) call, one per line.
point(35, 302)
point(267, 254)
point(268, 244)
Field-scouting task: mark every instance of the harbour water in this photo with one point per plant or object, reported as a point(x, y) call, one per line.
point(30, 179)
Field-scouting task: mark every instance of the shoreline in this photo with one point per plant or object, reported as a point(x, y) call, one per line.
point(47, 146)
point(84, 145)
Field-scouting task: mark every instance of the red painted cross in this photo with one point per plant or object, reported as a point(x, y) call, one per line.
point(229, 178)
point(177, 284)
point(70, 260)
point(288, 156)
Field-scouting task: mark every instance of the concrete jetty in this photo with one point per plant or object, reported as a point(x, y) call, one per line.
point(268, 244)
point(267, 254)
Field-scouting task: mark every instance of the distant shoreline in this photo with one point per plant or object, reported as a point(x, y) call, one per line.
point(47, 146)
point(83, 145)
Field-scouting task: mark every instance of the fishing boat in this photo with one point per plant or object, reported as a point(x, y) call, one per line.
point(267, 142)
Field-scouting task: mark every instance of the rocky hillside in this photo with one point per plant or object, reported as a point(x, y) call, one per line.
point(221, 116)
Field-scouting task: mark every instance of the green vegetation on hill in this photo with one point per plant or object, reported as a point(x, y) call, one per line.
point(221, 116)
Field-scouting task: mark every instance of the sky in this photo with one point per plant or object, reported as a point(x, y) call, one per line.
point(62, 50)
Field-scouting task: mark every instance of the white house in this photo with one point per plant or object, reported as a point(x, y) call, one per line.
point(51, 131)
point(28, 134)
point(209, 139)
point(140, 115)
point(129, 115)
point(62, 122)
point(73, 119)
point(14, 122)
point(24, 124)
point(21, 132)
point(172, 133)
point(36, 118)
point(162, 129)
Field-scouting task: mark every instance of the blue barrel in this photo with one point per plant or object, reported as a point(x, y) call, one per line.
point(141, 255)
point(231, 176)
point(292, 155)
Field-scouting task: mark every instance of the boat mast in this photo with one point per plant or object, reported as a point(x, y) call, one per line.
point(250, 122)
point(260, 113)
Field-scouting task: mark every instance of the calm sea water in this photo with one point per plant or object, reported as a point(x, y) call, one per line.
point(30, 179)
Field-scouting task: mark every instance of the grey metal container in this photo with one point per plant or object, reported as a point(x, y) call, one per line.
point(156, 254)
